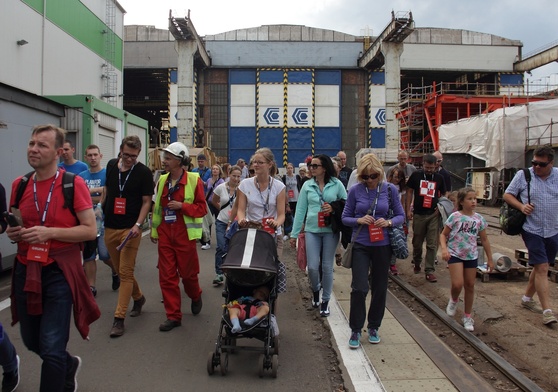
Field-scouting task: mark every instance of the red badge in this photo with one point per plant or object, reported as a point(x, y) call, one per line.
point(290, 194)
point(119, 206)
point(323, 219)
point(267, 227)
point(38, 252)
point(376, 233)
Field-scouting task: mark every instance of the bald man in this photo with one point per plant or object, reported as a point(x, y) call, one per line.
point(443, 172)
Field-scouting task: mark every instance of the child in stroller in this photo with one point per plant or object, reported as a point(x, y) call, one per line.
point(250, 309)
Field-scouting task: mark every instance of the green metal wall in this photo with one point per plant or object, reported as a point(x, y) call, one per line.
point(74, 18)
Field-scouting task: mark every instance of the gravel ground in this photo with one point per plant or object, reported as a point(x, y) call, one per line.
point(516, 334)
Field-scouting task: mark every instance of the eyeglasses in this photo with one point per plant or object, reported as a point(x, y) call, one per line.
point(129, 156)
point(259, 162)
point(366, 177)
point(314, 166)
point(541, 164)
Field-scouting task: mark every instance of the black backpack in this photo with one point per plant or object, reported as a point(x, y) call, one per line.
point(511, 219)
point(67, 190)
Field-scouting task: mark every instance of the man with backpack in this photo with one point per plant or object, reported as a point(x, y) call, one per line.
point(540, 230)
point(48, 277)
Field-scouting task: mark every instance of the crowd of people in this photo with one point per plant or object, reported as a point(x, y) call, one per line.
point(107, 210)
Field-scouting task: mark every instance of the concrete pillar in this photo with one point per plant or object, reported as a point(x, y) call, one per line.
point(185, 82)
point(392, 53)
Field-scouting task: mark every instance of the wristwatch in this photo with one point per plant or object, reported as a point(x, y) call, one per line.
point(390, 223)
point(138, 225)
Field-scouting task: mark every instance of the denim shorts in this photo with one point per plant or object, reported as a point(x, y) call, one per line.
point(466, 263)
point(541, 250)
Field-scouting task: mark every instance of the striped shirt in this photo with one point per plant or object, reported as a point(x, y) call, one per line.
point(544, 197)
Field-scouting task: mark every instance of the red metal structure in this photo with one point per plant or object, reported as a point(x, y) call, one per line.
point(424, 109)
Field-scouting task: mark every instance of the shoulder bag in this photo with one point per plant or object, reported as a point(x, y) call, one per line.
point(397, 237)
point(512, 219)
point(347, 258)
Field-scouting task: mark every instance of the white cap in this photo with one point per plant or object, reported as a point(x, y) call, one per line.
point(177, 149)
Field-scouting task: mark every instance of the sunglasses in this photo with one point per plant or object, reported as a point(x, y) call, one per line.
point(366, 177)
point(314, 166)
point(541, 164)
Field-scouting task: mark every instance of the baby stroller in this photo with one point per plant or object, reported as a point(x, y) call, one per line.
point(251, 262)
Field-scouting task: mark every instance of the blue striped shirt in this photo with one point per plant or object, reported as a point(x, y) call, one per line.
point(544, 197)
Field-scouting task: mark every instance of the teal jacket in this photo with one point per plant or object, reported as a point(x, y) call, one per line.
point(309, 204)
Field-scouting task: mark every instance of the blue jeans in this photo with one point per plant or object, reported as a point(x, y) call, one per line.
point(100, 247)
point(8, 359)
point(47, 334)
point(220, 229)
point(324, 245)
point(369, 271)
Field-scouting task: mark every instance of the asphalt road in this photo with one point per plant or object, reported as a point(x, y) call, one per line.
point(145, 359)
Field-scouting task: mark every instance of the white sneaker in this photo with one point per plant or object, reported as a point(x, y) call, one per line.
point(206, 247)
point(452, 307)
point(469, 324)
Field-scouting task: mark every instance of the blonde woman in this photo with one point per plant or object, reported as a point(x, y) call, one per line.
point(262, 198)
point(367, 206)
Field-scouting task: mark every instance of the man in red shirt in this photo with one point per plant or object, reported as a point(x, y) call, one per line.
point(48, 276)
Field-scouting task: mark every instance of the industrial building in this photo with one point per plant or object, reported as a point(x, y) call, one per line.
point(301, 90)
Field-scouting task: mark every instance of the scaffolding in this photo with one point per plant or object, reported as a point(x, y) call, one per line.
point(423, 109)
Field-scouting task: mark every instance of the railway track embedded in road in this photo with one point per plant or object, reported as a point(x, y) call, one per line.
point(502, 375)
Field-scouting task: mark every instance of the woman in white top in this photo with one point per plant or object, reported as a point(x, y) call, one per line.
point(223, 200)
point(262, 199)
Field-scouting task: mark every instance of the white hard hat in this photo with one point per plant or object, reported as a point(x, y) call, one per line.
point(177, 149)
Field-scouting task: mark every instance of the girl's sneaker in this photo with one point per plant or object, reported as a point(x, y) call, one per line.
point(451, 308)
point(354, 340)
point(393, 270)
point(469, 324)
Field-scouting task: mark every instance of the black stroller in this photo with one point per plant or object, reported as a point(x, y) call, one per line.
point(251, 262)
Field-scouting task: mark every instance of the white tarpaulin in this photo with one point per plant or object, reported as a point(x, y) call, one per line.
point(499, 138)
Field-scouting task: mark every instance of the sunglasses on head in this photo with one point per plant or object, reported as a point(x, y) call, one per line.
point(541, 164)
point(365, 177)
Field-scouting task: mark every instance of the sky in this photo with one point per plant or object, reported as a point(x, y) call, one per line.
point(531, 22)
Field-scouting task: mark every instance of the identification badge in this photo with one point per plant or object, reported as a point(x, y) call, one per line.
point(290, 194)
point(119, 206)
point(427, 202)
point(323, 219)
point(170, 215)
point(376, 233)
point(267, 227)
point(38, 252)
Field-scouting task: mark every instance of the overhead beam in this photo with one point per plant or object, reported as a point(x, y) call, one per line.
point(400, 27)
point(183, 29)
point(538, 60)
